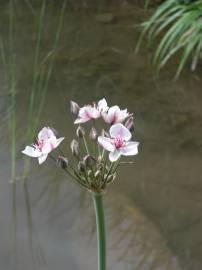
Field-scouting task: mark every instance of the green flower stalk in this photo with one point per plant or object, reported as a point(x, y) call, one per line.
point(92, 169)
point(101, 235)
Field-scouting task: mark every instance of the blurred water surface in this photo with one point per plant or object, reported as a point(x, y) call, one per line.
point(153, 211)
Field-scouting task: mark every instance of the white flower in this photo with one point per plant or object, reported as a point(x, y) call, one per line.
point(89, 112)
point(115, 115)
point(119, 142)
point(45, 143)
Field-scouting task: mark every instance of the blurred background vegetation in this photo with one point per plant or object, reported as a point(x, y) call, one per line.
point(177, 24)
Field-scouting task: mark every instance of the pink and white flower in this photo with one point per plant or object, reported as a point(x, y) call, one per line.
point(115, 115)
point(119, 142)
point(45, 143)
point(89, 112)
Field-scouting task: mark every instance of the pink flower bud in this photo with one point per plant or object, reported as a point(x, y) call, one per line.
point(129, 124)
point(75, 148)
point(93, 134)
point(62, 162)
point(89, 161)
point(80, 132)
point(81, 166)
point(74, 107)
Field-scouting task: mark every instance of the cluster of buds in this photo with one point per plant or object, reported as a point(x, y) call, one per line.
point(97, 153)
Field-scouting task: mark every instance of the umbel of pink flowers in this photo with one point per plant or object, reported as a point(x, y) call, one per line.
point(97, 152)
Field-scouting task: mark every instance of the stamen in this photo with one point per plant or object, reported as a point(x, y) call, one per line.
point(118, 142)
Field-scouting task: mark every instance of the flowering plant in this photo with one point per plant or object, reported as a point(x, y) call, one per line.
point(95, 168)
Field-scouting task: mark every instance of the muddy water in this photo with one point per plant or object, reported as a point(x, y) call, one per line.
point(153, 211)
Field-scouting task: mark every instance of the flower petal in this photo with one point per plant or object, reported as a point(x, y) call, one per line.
point(59, 141)
point(114, 114)
point(42, 158)
point(48, 147)
point(81, 120)
point(31, 151)
point(114, 156)
point(106, 143)
point(92, 112)
point(82, 113)
point(87, 113)
point(74, 107)
point(102, 105)
point(120, 130)
point(124, 115)
point(46, 133)
point(130, 149)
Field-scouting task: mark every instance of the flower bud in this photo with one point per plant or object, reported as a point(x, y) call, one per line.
point(75, 148)
point(93, 134)
point(89, 161)
point(97, 175)
point(80, 132)
point(99, 159)
point(90, 174)
point(111, 178)
point(62, 162)
point(129, 124)
point(105, 176)
point(74, 107)
point(81, 166)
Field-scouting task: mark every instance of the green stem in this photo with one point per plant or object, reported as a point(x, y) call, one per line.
point(86, 145)
point(101, 235)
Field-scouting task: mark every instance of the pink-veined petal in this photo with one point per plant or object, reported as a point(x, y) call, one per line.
point(114, 114)
point(106, 143)
point(102, 105)
point(31, 151)
point(120, 130)
point(114, 156)
point(92, 112)
point(81, 120)
point(45, 133)
point(42, 158)
point(82, 112)
point(130, 149)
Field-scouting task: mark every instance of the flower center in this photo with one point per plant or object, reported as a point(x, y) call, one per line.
point(118, 142)
point(39, 144)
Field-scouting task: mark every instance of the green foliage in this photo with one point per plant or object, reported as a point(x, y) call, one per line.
point(179, 24)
